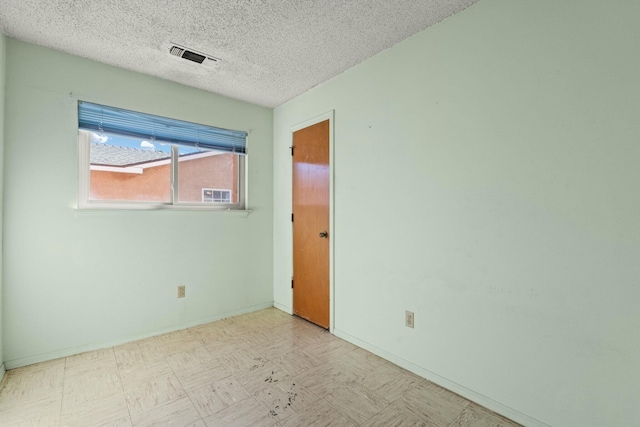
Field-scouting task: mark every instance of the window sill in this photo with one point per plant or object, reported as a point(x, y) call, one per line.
point(119, 209)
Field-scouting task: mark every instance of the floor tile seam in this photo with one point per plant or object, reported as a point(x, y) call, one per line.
point(64, 379)
point(194, 405)
point(468, 403)
point(306, 390)
point(124, 394)
point(312, 357)
point(187, 390)
point(92, 400)
point(243, 388)
point(264, 406)
point(153, 408)
point(409, 406)
point(208, 346)
point(217, 359)
point(376, 392)
point(406, 411)
point(90, 361)
point(342, 413)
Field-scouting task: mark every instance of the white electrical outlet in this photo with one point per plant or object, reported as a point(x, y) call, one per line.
point(408, 319)
point(181, 291)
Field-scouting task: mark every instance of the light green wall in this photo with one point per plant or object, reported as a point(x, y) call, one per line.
point(486, 178)
point(2, 72)
point(81, 280)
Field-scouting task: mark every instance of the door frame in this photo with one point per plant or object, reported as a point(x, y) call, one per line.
point(329, 115)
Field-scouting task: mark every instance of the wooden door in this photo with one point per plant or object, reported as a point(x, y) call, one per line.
point(311, 223)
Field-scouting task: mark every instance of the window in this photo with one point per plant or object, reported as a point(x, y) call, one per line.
point(140, 161)
point(210, 195)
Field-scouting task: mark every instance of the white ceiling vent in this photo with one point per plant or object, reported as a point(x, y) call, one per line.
point(192, 54)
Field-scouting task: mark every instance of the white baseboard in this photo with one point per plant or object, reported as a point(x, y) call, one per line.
point(30, 360)
point(478, 398)
point(284, 308)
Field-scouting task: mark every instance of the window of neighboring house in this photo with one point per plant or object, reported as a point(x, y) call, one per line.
point(136, 160)
point(210, 195)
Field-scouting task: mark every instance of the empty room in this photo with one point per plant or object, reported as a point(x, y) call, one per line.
point(320, 213)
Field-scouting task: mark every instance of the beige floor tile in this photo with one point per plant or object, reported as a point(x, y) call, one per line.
point(269, 374)
point(403, 371)
point(210, 333)
point(179, 346)
point(241, 325)
point(107, 411)
point(276, 347)
point(177, 412)
point(192, 357)
point(33, 380)
point(477, 416)
point(329, 349)
point(218, 396)
point(48, 365)
point(282, 400)
point(86, 385)
point(227, 346)
point(103, 358)
point(150, 350)
point(359, 362)
point(370, 358)
point(296, 328)
point(263, 368)
point(297, 361)
point(393, 416)
point(175, 336)
point(156, 392)
point(325, 379)
point(129, 357)
point(246, 413)
point(238, 363)
point(122, 422)
point(275, 401)
point(175, 342)
point(433, 404)
point(36, 410)
point(260, 337)
point(152, 370)
point(31, 420)
point(390, 383)
point(196, 376)
point(320, 414)
point(356, 403)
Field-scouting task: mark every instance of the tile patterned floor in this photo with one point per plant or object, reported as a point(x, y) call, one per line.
point(261, 369)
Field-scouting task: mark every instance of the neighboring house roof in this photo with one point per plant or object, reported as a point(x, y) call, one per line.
point(113, 155)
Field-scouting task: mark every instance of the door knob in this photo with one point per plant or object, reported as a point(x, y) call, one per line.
point(324, 235)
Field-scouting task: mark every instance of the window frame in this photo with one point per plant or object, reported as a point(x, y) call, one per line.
point(84, 186)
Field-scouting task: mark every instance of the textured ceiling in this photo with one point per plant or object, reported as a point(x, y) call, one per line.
point(270, 50)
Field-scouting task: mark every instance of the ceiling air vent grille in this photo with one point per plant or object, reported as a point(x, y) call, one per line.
point(191, 55)
point(176, 51)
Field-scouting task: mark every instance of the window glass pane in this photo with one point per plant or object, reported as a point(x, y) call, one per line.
point(125, 168)
point(205, 176)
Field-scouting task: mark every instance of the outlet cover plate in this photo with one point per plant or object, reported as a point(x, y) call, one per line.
point(408, 319)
